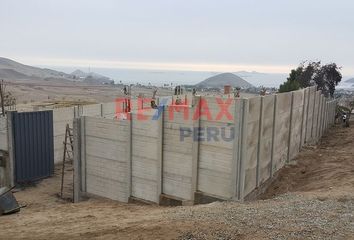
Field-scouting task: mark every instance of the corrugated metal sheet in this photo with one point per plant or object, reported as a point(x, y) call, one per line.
point(33, 143)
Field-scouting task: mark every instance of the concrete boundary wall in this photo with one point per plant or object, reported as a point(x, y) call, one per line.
point(171, 157)
point(217, 158)
point(316, 112)
point(282, 126)
point(178, 153)
point(304, 116)
point(106, 158)
point(297, 111)
point(146, 156)
point(310, 113)
point(252, 161)
point(63, 116)
point(265, 139)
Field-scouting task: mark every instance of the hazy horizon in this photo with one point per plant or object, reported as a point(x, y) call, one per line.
point(160, 77)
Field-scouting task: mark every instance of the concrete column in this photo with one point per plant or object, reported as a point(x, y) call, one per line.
point(129, 155)
point(326, 115)
point(330, 114)
point(334, 111)
point(80, 109)
point(241, 173)
point(160, 152)
point(303, 123)
point(327, 108)
point(10, 164)
point(307, 113)
point(261, 119)
point(320, 118)
point(313, 118)
point(77, 159)
point(195, 149)
point(273, 134)
point(83, 154)
point(290, 126)
point(76, 112)
point(236, 148)
point(323, 114)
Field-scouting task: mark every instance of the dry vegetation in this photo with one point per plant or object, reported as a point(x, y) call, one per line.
point(38, 93)
point(55, 94)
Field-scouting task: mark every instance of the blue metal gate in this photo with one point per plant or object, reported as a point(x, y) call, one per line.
point(33, 145)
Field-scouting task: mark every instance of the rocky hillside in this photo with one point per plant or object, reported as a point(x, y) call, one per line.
point(91, 77)
point(11, 70)
point(220, 80)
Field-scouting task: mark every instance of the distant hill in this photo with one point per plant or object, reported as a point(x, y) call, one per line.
point(350, 80)
point(223, 79)
point(79, 74)
point(91, 77)
point(11, 70)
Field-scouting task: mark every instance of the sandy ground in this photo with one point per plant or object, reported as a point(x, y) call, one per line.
point(37, 93)
point(31, 93)
point(313, 198)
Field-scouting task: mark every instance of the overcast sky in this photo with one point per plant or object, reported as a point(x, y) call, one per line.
point(218, 35)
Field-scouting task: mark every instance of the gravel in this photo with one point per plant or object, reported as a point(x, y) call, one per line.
point(289, 216)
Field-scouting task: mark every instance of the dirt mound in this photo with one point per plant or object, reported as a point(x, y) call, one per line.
point(327, 166)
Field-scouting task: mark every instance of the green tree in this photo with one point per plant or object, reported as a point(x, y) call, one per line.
point(326, 77)
point(289, 85)
point(292, 83)
point(309, 70)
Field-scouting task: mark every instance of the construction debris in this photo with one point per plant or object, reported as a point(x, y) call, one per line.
point(8, 202)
